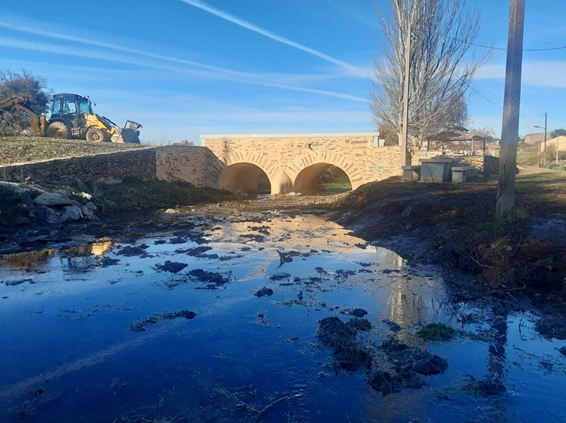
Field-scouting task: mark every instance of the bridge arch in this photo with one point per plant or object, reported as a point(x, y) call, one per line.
point(308, 179)
point(308, 170)
point(242, 171)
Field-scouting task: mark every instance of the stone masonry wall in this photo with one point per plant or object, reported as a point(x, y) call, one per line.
point(197, 165)
point(284, 157)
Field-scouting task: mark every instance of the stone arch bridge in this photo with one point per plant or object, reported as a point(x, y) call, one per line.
point(295, 162)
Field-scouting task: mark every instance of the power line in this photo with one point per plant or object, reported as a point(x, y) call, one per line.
point(498, 48)
point(497, 105)
point(487, 99)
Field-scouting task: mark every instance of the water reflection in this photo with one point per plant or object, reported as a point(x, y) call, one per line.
point(497, 356)
point(28, 260)
point(74, 330)
point(95, 249)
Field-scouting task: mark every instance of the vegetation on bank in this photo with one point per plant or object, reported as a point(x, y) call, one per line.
point(437, 332)
point(342, 185)
point(135, 194)
point(456, 225)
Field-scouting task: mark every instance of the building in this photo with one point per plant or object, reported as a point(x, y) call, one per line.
point(552, 143)
point(534, 138)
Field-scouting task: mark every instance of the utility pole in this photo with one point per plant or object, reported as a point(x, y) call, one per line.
point(405, 132)
point(545, 129)
point(511, 108)
point(545, 136)
point(557, 148)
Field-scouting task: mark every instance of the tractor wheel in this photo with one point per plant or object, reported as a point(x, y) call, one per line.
point(58, 130)
point(95, 135)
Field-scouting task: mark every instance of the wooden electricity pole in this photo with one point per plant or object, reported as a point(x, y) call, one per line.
point(511, 107)
point(405, 132)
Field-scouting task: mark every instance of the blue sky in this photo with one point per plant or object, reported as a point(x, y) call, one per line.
point(183, 68)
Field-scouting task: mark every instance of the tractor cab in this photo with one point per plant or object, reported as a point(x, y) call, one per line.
point(70, 109)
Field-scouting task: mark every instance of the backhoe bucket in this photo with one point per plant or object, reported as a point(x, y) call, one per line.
point(129, 133)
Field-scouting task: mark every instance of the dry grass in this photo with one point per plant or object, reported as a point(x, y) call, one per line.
point(33, 149)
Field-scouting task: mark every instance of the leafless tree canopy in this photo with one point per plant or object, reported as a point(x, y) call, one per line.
point(442, 33)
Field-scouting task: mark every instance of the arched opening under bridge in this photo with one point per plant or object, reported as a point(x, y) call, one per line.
point(245, 178)
point(322, 179)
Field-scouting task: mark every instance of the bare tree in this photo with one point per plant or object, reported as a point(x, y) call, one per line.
point(34, 87)
point(442, 32)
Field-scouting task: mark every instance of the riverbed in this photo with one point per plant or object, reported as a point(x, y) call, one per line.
point(214, 318)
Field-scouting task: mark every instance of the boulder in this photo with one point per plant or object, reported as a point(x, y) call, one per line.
point(52, 199)
point(10, 186)
point(33, 191)
point(88, 210)
point(72, 213)
point(53, 217)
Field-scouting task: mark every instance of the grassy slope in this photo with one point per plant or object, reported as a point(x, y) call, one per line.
point(31, 149)
point(135, 194)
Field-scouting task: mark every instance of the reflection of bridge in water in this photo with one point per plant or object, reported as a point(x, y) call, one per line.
point(295, 162)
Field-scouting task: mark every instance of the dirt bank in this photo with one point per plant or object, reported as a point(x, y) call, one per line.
point(455, 225)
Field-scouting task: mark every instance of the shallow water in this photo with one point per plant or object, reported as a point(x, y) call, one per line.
point(69, 354)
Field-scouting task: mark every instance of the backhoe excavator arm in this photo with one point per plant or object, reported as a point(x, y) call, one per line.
point(18, 101)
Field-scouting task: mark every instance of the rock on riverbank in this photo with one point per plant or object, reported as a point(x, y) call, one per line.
point(23, 205)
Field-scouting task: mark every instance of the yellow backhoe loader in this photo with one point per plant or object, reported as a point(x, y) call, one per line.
point(72, 117)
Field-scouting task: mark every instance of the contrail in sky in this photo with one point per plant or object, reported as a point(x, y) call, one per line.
point(217, 73)
point(238, 21)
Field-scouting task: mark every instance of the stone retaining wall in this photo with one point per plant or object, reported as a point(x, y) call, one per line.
point(196, 165)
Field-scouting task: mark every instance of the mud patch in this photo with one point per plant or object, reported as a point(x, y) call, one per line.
point(213, 278)
point(402, 367)
point(129, 251)
point(18, 282)
point(139, 325)
point(264, 292)
point(357, 312)
point(341, 338)
point(171, 266)
point(552, 327)
point(279, 276)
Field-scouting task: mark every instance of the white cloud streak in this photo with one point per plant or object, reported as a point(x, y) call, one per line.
point(536, 74)
point(213, 72)
point(356, 13)
point(354, 71)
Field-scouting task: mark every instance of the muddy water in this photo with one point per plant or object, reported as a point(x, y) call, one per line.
point(89, 331)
